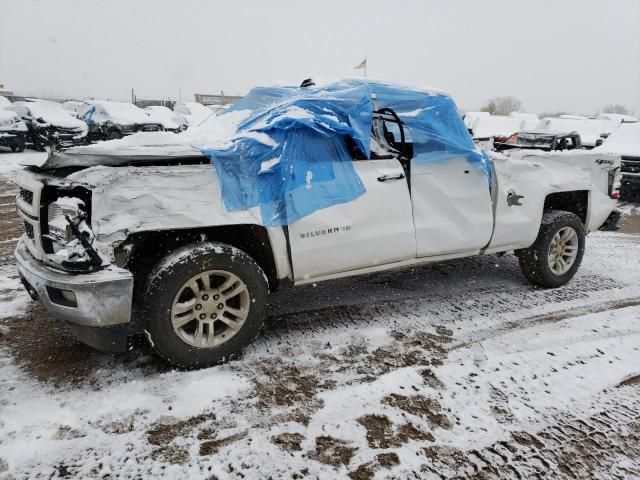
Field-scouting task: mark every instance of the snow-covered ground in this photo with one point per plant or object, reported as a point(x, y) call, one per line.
point(454, 369)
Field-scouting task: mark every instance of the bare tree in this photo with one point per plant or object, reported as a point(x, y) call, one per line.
point(616, 108)
point(502, 105)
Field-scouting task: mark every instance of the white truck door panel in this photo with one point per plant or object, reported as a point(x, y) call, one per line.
point(374, 229)
point(451, 206)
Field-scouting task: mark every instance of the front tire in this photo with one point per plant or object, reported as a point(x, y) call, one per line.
point(203, 304)
point(557, 252)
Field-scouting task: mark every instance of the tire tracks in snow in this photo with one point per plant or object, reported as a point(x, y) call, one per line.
point(528, 322)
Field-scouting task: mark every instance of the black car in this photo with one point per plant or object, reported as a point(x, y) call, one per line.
point(13, 131)
point(539, 140)
point(48, 123)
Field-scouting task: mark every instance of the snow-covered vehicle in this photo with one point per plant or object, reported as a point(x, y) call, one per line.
point(528, 121)
point(590, 129)
point(195, 113)
point(625, 141)
point(546, 140)
point(13, 131)
point(48, 123)
point(613, 121)
point(170, 121)
point(290, 186)
point(113, 120)
point(470, 117)
point(73, 106)
point(485, 129)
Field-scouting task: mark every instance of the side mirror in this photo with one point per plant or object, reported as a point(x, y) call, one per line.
point(599, 142)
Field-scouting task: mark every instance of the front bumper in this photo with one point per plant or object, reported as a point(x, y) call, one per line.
point(99, 308)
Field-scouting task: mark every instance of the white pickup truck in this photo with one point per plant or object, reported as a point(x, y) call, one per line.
point(119, 243)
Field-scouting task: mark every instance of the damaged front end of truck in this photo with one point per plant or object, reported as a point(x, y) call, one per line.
point(62, 265)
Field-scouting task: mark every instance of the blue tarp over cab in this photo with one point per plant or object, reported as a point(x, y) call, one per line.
point(289, 155)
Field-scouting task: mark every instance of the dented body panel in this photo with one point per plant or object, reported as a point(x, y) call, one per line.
point(446, 209)
point(536, 175)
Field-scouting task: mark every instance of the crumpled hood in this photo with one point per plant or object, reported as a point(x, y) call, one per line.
point(143, 155)
point(160, 197)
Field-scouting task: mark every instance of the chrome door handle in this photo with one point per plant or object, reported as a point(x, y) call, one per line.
point(397, 176)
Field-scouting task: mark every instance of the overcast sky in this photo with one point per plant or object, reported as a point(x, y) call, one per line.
point(571, 55)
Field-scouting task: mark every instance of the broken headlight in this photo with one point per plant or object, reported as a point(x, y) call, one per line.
point(60, 232)
point(71, 237)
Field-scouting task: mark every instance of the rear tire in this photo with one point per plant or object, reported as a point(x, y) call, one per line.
point(557, 252)
point(203, 304)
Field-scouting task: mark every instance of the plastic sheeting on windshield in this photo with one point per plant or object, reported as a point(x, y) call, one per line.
point(289, 155)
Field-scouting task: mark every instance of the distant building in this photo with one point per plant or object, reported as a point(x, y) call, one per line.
point(222, 99)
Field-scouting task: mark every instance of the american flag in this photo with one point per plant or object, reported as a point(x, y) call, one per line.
point(361, 65)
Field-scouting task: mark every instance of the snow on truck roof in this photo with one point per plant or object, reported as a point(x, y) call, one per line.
point(625, 140)
point(283, 148)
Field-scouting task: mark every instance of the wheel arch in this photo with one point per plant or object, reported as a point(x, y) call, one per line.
point(575, 201)
point(141, 251)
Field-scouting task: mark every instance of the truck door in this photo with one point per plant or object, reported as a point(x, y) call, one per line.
point(452, 207)
point(451, 201)
point(375, 229)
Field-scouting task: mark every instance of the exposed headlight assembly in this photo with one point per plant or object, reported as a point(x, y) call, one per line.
point(70, 235)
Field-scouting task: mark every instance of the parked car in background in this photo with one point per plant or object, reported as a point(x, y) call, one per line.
point(170, 121)
point(528, 121)
point(539, 140)
point(112, 120)
point(195, 113)
point(49, 124)
point(73, 106)
point(625, 141)
point(613, 121)
point(485, 129)
point(590, 129)
point(13, 131)
point(470, 117)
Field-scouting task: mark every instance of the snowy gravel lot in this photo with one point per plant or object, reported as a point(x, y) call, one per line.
point(458, 369)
